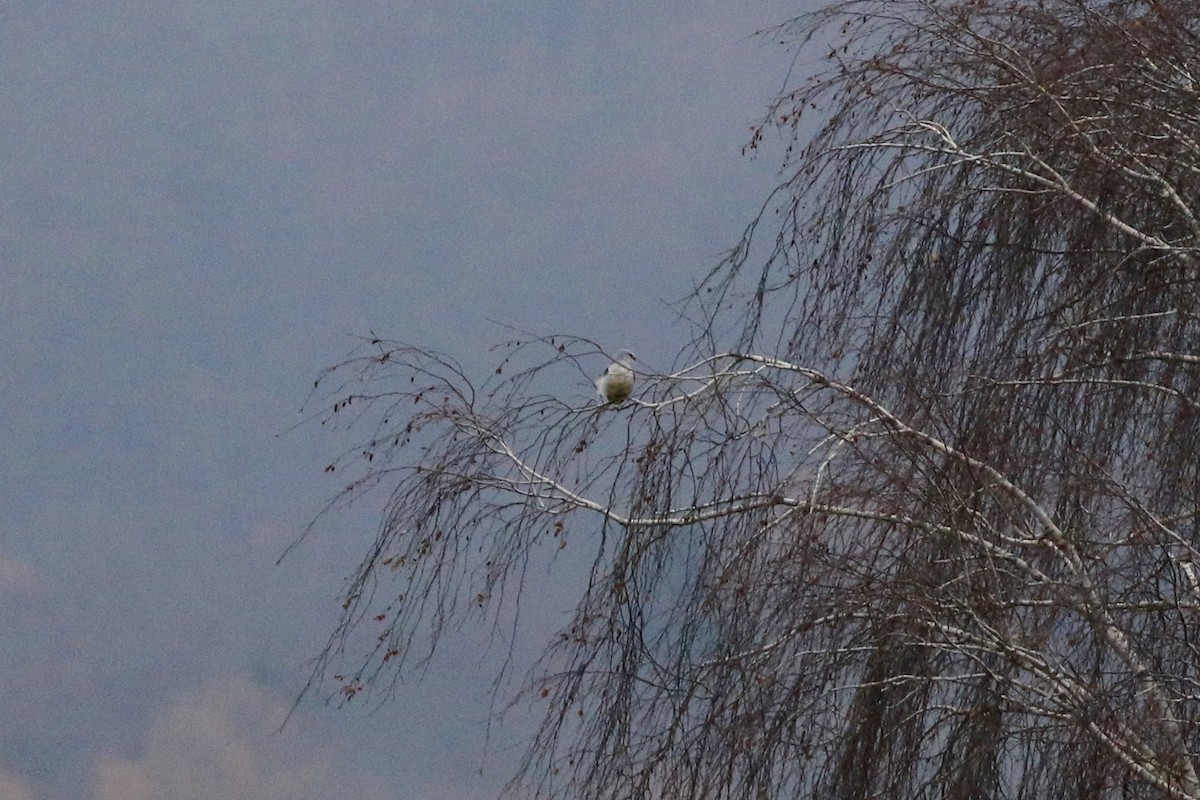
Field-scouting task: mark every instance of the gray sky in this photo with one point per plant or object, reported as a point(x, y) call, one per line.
point(200, 204)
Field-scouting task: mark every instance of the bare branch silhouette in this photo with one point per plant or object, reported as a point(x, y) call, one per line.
point(916, 514)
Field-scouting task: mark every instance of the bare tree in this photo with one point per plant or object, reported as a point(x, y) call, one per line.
point(915, 514)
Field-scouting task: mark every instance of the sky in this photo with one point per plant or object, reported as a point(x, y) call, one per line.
point(202, 204)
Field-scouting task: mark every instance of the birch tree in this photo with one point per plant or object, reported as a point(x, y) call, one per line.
point(914, 514)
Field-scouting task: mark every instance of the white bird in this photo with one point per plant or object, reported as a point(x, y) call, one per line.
point(616, 384)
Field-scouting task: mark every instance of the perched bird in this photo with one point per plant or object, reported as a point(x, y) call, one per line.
point(616, 384)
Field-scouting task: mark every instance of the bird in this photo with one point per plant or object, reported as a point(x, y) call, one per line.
point(616, 384)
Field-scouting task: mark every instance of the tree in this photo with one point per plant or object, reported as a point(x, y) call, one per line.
point(915, 513)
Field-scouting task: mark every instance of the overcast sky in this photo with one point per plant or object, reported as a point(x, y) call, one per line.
point(201, 203)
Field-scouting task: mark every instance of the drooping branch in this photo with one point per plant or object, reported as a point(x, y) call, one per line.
point(480, 481)
point(917, 516)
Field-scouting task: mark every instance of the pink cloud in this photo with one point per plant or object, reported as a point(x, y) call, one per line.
point(221, 742)
point(14, 787)
point(15, 576)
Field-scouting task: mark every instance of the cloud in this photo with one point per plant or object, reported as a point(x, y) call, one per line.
point(221, 742)
point(15, 576)
point(14, 787)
